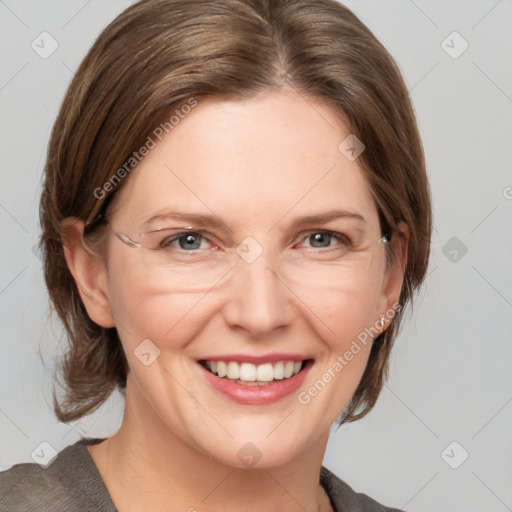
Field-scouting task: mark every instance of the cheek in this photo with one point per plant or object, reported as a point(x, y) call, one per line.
point(345, 320)
point(347, 342)
point(164, 317)
point(341, 321)
point(342, 313)
point(145, 311)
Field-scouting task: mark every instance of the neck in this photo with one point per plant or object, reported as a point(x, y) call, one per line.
point(145, 466)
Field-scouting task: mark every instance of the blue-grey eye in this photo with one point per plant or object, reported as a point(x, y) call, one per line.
point(190, 241)
point(320, 239)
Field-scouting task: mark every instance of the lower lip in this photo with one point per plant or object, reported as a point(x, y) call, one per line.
point(256, 395)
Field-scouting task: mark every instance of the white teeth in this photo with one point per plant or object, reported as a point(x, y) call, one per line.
point(248, 372)
point(279, 370)
point(288, 369)
point(233, 370)
point(265, 372)
point(221, 369)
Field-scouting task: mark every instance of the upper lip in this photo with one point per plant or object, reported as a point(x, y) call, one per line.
point(268, 358)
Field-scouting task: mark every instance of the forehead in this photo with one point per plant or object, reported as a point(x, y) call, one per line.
point(270, 156)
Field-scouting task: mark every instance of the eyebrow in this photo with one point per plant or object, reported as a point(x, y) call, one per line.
point(215, 222)
point(208, 221)
point(322, 218)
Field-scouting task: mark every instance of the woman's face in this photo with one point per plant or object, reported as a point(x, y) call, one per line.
point(260, 168)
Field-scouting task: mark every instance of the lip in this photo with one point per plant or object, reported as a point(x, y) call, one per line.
point(255, 395)
point(269, 358)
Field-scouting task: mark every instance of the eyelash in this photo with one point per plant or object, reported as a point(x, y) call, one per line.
point(344, 239)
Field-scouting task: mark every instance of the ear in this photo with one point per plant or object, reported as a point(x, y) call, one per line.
point(89, 271)
point(394, 275)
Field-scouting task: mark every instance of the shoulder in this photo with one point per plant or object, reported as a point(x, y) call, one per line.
point(71, 483)
point(344, 498)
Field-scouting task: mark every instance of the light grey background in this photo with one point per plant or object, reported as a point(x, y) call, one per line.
point(451, 378)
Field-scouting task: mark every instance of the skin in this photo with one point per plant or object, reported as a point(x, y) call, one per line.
point(259, 164)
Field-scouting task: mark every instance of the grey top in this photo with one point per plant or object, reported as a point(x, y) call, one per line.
point(72, 483)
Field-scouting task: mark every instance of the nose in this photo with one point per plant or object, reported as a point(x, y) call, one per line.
point(259, 302)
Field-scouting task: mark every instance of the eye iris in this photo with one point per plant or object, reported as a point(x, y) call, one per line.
point(320, 240)
point(190, 241)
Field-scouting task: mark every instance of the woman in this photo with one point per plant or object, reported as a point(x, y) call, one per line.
point(235, 214)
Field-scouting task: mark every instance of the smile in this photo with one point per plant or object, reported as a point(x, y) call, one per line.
point(252, 374)
point(252, 383)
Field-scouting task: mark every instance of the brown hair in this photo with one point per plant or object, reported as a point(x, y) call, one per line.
point(147, 64)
